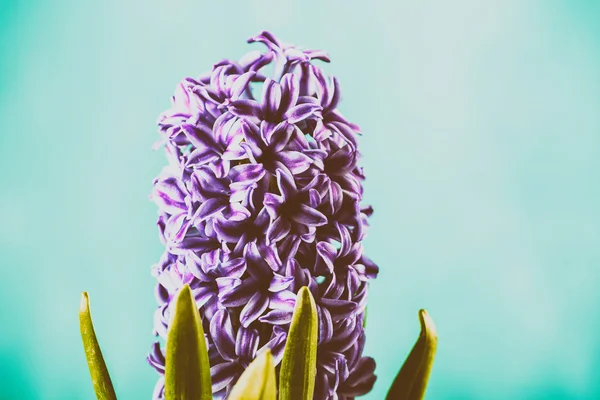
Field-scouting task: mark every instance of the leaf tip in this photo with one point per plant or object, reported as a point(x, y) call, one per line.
point(84, 304)
point(427, 326)
point(305, 297)
point(185, 293)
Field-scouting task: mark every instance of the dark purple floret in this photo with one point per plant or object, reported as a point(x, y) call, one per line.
point(262, 196)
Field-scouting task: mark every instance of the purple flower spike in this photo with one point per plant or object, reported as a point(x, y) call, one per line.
point(262, 196)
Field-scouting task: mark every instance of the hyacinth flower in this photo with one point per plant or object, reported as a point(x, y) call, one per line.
point(263, 169)
point(261, 215)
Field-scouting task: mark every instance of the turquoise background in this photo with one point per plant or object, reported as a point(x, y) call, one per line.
point(481, 144)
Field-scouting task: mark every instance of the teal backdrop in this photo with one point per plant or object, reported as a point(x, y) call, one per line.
point(481, 145)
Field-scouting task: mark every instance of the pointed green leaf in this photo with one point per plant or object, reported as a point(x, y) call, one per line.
point(100, 377)
point(411, 381)
point(299, 363)
point(258, 380)
point(187, 370)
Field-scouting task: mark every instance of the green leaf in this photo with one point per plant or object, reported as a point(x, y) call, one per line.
point(187, 370)
point(299, 363)
point(258, 380)
point(411, 381)
point(100, 377)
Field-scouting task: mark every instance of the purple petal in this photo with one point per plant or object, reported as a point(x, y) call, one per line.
point(268, 39)
point(239, 295)
point(278, 229)
point(201, 157)
point(271, 256)
point(257, 304)
point(305, 79)
point(342, 370)
point(325, 325)
point(246, 343)
point(355, 352)
point(308, 100)
point(247, 173)
point(296, 161)
point(272, 203)
point(280, 137)
point(200, 135)
point(346, 133)
point(290, 86)
point(221, 331)
point(320, 183)
point(223, 374)
point(225, 284)
point(309, 233)
point(161, 320)
point(277, 317)
point(157, 359)
point(159, 389)
point(347, 335)
point(256, 265)
point(322, 131)
point(329, 361)
point(169, 195)
point(363, 369)
point(236, 212)
point(294, 54)
point(301, 275)
point(271, 96)
point(279, 282)
point(284, 300)
point(314, 198)
point(309, 216)
point(217, 78)
point(367, 210)
point(247, 109)
point(209, 208)
point(233, 268)
point(234, 152)
point(240, 191)
point(289, 247)
point(240, 84)
point(229, 230)
point(301, 112)
point(200, 244)
point(334, 95)
point(334, 288)
point(322, 85)
point(206, 93)
point(204, 181)
point(286, 184)
point(345, 239)
point(202, 294)
point(362, 378)
point(323, 389)
point(251, 134)
point(223, 127)
point(317, 55)
point(250, 58)
point(371, 269)
point(336, 196)
point(176, 227)
point(327, 254)
point(339, 309)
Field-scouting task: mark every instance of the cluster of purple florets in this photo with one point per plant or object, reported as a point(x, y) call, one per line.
point(261, 197)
